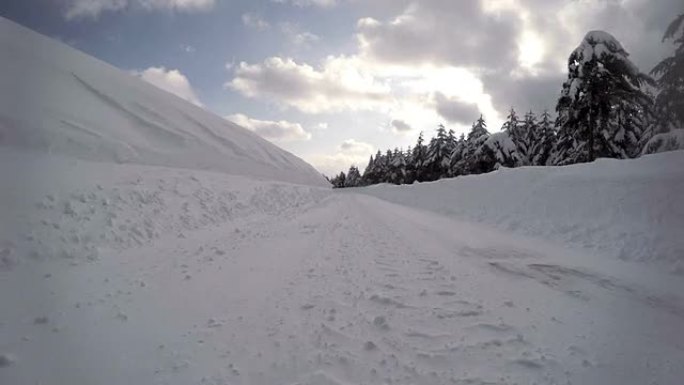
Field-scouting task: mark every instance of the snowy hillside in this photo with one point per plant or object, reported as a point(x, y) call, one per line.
point(121, 273)
point(146, 241)
point(60, 101)
point(626, 209)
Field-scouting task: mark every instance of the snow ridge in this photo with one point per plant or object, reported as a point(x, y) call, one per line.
point(64, 102)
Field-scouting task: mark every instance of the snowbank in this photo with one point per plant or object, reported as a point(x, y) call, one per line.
point(60, 101)
point(57, 208)
point(668, 141)
point(629, 209)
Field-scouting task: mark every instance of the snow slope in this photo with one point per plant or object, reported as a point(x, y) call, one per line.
point(627, 209)
point(60, 101)
point(130, 254)
point(120, 273)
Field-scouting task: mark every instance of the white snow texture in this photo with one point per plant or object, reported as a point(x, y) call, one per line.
point(58, 100)
point(145, 241)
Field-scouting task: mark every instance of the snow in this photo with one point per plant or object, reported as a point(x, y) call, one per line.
point(148, 271)
point(600, 44)
point(208, 278)
point(60, 101)
point(503, 149)
point(668, 141)
point(624, 209)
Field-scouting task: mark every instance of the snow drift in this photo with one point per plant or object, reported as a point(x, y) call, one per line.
point(60, 101)
point(629, 209)
point(125, 259)
point(668, 141)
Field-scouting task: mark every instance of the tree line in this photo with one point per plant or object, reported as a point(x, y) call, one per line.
point(607, 108)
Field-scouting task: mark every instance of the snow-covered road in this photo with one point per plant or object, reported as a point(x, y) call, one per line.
point(349, 289)
point(144, 240)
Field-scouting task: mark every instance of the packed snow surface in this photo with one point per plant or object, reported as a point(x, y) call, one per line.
point(130, 255)
point(118, 274)
point(57, 100)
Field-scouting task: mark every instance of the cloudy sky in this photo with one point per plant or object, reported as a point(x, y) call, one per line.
point(334, 80)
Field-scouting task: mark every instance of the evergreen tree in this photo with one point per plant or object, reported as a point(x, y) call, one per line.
point(418, 160)
point(398, 167)
point(476, 138)
point(512, 122)
point(517, 131)
point(530, 134)
point(543, 142)
point(373, 171)
point(409, 177)
point(353, 178)
point(478, 130)
point(451, 144)
point(628, 125)
point(437, 153)
point(669, 102)
point(600, 76)
point(496, 151)
point(366, 177)
point(451, 141)
point(387, 167)
point(339, 180)
point(456, 163)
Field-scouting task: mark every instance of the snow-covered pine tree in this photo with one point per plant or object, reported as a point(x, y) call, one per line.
point(512, 122)
point(353, 178)
point(409, 178)
point(600, 76)
point(476, 138)
point(339, 180)
point(529, 135)
point(436, 154)
point(628, 126)
point(544, 140)
point(398, 167)
point(456, 163)
point(669, 73)
point(497, 150)
point(419, 159)
point(519, 132)
point(366, 177)
point(373, 171)
point(479, 129)
point(452, 142)
point(386, 170)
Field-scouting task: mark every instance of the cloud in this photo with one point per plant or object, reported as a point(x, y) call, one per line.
point(355, 147)
point(524, 93)
point(187, 48)
point(444, 32)
point(255, 21)
point(400, 125)
point(338, 85)
point(92, 8)
point(281, 130)
point(349, 152)
point(179, 5)
point(172, 81)
point(308, 3)
point(352, 83)
point(455, 111)
point(297, 36)
point(77, 9)
point(424, 63)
